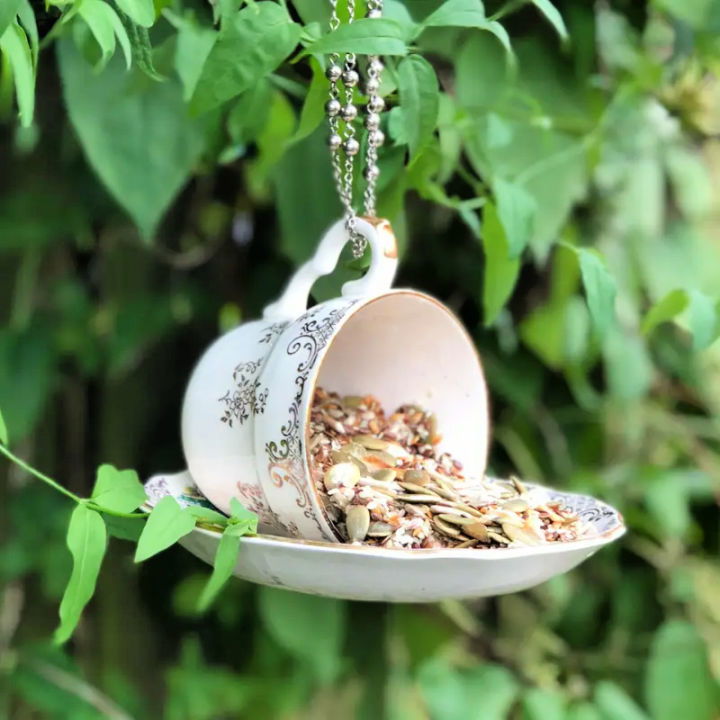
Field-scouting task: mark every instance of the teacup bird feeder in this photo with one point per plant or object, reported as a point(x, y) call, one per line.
point(245, 432)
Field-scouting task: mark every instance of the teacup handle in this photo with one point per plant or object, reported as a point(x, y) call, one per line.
point(378, 278)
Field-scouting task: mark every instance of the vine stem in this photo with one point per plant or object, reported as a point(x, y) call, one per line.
point(40, 476)
point(57, 486)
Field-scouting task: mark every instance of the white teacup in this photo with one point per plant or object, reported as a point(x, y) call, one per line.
point(246, 408)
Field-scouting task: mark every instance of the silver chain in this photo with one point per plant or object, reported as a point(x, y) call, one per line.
point(344, 146)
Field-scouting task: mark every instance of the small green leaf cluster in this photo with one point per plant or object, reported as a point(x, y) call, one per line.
point(110, 510)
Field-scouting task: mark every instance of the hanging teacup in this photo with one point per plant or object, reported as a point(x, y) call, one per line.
point(245, 415)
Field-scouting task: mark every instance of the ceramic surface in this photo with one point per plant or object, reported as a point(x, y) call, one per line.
point(245, 413)
point(375, 574)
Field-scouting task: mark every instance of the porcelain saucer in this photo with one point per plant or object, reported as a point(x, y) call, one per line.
point(406, 576)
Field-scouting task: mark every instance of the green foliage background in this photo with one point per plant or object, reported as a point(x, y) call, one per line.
point(553, 177)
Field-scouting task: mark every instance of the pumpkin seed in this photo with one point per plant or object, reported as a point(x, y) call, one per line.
point(457, 519)
point(445, 528)
point(521, 534)
point(379, 529)
point(515, 505)
point(353, 401)
point(413, 488)
point(371, 442)
point(385, 474)
point(477, 530)
point(419, 477)
point(417, 498)
point(357, 522)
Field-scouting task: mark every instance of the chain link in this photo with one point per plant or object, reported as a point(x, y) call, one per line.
point(342, 112)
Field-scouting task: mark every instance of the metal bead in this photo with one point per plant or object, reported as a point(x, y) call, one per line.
point(372, 172)
point(376, 138)
point(374, 13)
point(332, 107)
point(372, 121)
point(349, 112)
point(350, 78)
point(334, 141)
point(376, 66)
point(333, 73)
point(376, 104)
point(372, 85)
point(351, 146)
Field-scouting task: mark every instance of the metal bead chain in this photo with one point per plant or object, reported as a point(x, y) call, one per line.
point(342, 137)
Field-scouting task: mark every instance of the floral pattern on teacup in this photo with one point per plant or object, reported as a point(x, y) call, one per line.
point(286, 464)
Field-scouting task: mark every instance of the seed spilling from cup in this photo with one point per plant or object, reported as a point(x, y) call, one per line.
point(384, 482)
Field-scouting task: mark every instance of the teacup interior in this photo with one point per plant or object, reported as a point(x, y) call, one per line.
point(405, 347)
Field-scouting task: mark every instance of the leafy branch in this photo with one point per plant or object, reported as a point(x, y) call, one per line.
point(119, 494)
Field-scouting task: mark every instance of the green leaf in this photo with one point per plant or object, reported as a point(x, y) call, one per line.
point(369, 36)
point(248, 118)
point(207, 515)
point(140, 48)
point(14, 45)
point(124, 528)
point(539, 704)
point(469, 14)
point(223, 566)
point(3, 430)
point(628, 367)
point(584, 711)
point(615, 704)
point(168, 522)
point(552, 16)
point(419, 100)
point(105, 26)
point(117, 120)
point(702, 320)
point(664, 310)
point(678, 679)
point(87, 541)
point(501, 271)
point(516, 210)
point(193, 45)
point(313, 109)
point(141, 12)
point(449, 692)
point(292, 619)
point(26, 16)
point(250, 46)
point(457, 13)
point(242, 520)
point(668, 502)
point(27, 372)
point(599, 290)
point(118, 490)
point(8, 10)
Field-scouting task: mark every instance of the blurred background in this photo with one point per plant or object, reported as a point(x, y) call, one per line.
point(133, 231)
